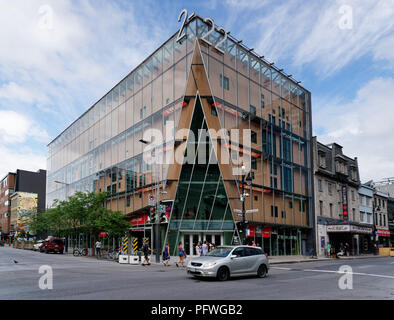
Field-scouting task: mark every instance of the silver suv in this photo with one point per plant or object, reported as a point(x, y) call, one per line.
point(230, 261)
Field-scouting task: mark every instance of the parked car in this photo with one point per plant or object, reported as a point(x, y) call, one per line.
point(52, 245)
point(230, 261)
point(37, 245)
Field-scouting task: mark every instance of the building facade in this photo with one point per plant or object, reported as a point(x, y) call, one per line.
point(366, 217)
point(20, 181)
point(7, 187)
point(381, 218)
point(390, 214)
point(206, 82)
point(337, 204)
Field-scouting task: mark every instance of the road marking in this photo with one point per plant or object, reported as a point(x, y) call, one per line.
point(355, 273)
point(339, 272)
point(280, 268)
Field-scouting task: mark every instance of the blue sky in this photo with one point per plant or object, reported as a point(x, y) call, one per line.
point(57, 58)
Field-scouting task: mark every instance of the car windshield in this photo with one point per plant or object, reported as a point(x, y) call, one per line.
point(220, 252)
point(57, 241)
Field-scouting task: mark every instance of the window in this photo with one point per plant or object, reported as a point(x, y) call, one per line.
point(274, 183)
point(142, 180)
point(262, 100)
point(254, 163)
point(384, 220)
point(352, 191)
point(291, 204)
point(143, 112)
point(239, 252)
point(283, 214)
point(109, 189)
point(321, 207)
point(253, 136)
point(329, 188)
point(120, 175)
point(319, 183)
point(114, 188)
point(113, 175)
point(213, 111)
point(274, 169)
point(274, 210)
point(331, 210)
point(272, 118)
point(224, 82)
point(354, 214)
point(252, 110)
point(380, 219)
point(287, 179)
point(128, 201)
point(256, 198)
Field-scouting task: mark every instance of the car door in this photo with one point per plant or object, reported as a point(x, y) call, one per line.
point(238, 264)
point(254, 259)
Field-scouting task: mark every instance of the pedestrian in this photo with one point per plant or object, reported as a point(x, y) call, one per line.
point(211, 246)
point(198, 248)
point(98, 248)
point(205, 248)
point(258, 245)
point(347, 249)
point(253, 244)
point(182, 255)
point(146, 249)
point(166, 254)
point(329, 250)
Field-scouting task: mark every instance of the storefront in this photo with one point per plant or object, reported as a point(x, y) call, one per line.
point(383, 238)
point(277, 240)
point(356, 237)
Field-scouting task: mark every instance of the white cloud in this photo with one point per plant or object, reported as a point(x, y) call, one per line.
point(17, 128)
point(23, 158)
point(363, 126)
point(309, 32)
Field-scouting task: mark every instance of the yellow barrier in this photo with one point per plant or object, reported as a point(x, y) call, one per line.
point(384, 251)
point(392, 252)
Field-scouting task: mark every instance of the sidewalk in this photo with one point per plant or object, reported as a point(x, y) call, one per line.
point(297, 259)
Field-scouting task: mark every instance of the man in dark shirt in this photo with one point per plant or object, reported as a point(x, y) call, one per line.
point(146, 249)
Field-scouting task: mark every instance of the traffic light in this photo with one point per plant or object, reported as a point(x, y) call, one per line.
point(152, 215)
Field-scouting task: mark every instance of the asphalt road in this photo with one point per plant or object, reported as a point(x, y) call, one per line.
point(86, 278)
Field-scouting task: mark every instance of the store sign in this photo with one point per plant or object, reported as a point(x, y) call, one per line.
point(383, 233)
point(344, 202)
point(139, 220)
point(267, 232)
point(349, 228)
point(338, 228)
point(251, 231)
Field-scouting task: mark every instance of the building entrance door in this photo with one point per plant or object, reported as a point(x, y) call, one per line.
point(190, 240)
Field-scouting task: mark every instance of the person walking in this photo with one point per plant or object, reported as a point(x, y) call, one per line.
point(146, 249)
point(182, 255)
point(329, 250)
point(205, 248)
point(98, 248)
point(198, 248)
point(347, 249)
point(166, 254)
point(253, 244)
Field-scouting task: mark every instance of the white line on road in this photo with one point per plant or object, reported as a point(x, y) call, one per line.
point(280, 268)
point(355, 273)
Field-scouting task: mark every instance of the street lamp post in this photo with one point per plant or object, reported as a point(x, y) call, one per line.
point(156, 206)
point(248, 179)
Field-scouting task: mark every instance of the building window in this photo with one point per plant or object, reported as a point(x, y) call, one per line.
point(213, 111)
point(331, 210)
point(352, 195)
point(319, 183)
point(224, 82)
point(262, 100)
point(113, 175)
point(253, 136)
point(254, 164)
point(274, 183)
point(274, 169)
point(384, 220)
point(143, 112)
point(321, 207)
point(354, 214)
point(120, 175)
point(329, 188)
point(114, 188)
point(283, 214)
point(252, 110)
point(274, 210)
point(128, 201)
point(256, 198)
point(380, 219)
point(291, 204)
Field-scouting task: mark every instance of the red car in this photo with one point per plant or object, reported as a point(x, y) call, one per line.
point(52, 245)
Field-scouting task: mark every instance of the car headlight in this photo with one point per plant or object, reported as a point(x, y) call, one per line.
point(209, 264)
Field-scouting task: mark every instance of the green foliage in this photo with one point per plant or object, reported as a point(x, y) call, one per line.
point(80, 213)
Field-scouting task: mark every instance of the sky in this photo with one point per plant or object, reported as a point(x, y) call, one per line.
point(59, 57)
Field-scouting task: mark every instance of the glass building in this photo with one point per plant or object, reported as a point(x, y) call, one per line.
point(197, 85)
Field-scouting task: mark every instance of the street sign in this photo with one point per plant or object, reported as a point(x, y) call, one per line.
point(151, 200)
point(252, 210)
point(237, 211)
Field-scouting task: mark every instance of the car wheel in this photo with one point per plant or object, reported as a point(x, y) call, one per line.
point(223, 274)
point(46, 251)
point(262, 271)
point(76, 253)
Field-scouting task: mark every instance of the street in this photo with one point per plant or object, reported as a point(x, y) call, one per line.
point(86, 278)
